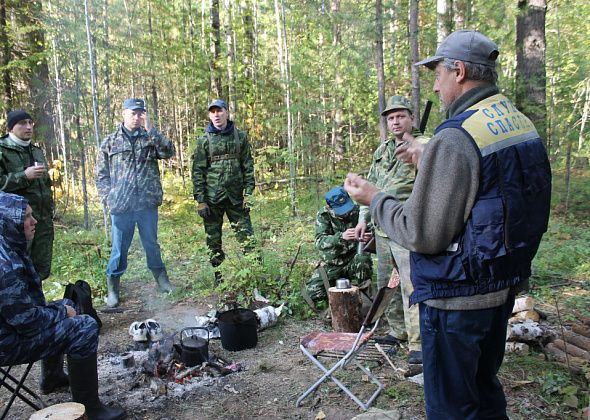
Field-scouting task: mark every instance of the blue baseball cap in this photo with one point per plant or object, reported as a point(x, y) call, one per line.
point(134, 104)
point(339, 201)
point(217, 103)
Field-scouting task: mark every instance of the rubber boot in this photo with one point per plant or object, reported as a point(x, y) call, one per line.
point(84, 387)
point(113, 291)
point(52, 374)
point(161, 277)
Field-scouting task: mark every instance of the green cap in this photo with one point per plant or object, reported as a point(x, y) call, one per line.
point(397, 102)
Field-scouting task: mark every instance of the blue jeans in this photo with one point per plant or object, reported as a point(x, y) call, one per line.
point(123, 230)
point(463, 351)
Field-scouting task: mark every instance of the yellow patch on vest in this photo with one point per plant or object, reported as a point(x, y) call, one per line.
point(497, 119)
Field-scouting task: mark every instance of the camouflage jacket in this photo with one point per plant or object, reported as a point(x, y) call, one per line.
point(328, 236)
point(391, 175)
point(222, 167)
point(127, 175)
point(14, 159)
point(23, 309)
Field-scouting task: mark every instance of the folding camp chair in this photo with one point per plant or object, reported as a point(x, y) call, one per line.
point(17, 388)
point(350, 344)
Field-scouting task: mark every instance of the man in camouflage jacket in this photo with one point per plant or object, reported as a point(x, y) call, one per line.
point(396, 178)
point(128, 181)
point(223, 180)
point(337, 244)
point(23, 171)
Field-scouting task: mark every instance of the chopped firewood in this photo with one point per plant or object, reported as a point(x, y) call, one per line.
point(69, 410)
point(575, 364)
point(577, 339)
point(572, 349)
point(526, 331)
point(585, 319)
point(525, 303)
point(531, 315)
point(581, 329)
point(513, 347)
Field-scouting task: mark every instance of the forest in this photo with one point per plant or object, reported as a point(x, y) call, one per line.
point(307, 80)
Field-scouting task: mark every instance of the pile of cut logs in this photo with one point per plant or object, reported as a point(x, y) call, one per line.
point(569, 344)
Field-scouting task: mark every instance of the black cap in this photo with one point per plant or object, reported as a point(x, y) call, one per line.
point(15, 116)
point(134, 104)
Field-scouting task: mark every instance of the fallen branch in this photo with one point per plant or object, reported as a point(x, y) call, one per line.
point(574, 364)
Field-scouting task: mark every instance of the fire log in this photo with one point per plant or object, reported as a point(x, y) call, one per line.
point(581, 329)
point(572, 349)
point(525, 303)
point(513, 347)
point(526, 331)
point(345, 307)
point(531, 315)
point(575, 364)
point(65, 411)
point(577, 339)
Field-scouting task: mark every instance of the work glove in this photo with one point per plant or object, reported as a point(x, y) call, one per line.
point(204, 210)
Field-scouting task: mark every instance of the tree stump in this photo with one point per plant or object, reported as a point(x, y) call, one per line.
point(64, 411)
point(345, 307)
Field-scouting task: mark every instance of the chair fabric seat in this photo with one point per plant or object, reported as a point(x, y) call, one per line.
point(318, 341)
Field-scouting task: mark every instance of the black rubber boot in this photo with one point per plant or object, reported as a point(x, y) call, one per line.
point(161, 277)
point(84, 387)
point(113, 291)
point(52, 374)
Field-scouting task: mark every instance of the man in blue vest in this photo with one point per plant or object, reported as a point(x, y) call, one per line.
point(473, 224)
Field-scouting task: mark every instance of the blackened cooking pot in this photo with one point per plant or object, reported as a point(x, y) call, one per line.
point(193, 349)
point(238, 329)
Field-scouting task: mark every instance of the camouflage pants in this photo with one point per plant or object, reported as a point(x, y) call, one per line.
point(404, 321)
point(76, 336)
point(358, 270)
point(41, 248)
point(239, 219)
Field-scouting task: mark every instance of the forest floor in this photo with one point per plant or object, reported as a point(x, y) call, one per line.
point(274, 374)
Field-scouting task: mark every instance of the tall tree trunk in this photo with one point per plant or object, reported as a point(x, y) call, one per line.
point(231, 58)
point(60, 118)
point(284, 65)
point(337, 142)
point(462, 13)
point(216, 86)
point(39, 81)
point(415, 54)
point(107, 70)
point(5, 58)
point(131, 46)
point(154, 89)
point(380, 67)
point(80, 138)
point(530, 62)
point(91, 63)
point(444, 23)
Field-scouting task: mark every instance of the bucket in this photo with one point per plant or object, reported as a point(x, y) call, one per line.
point(238, 328)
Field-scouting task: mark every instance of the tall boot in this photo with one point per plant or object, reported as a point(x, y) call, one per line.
point(52, 374)
point(163, 281)
point(84, 387)
point(113, 291)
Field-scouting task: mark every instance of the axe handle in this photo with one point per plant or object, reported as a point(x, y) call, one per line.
point(425, 115)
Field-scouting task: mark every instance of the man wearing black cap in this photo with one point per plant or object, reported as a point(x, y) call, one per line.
point(223, 180)
point(23, 171)
point(128, 181)
point(474, 221)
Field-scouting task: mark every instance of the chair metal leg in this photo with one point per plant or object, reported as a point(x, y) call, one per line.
point(17, 391)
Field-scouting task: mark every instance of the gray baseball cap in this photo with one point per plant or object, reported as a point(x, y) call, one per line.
point(217, 103)
point(397, 102)
point(464, 45)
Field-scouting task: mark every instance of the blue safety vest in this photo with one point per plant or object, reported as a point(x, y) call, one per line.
point(510, 214)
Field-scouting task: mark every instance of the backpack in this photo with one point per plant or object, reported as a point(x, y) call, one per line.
point(81, 294)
